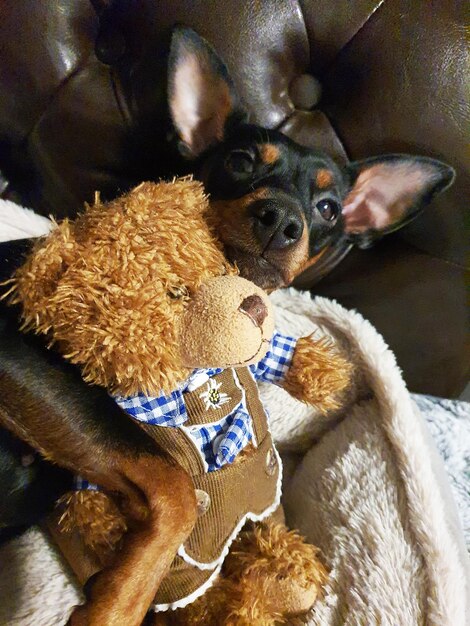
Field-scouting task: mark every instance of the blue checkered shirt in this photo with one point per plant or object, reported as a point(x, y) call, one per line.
point(220, 442)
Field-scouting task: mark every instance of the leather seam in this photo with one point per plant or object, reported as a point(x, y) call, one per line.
point(119, 97)
point(304, 21)
point(80, 66)
point(365, 22)
point(353, 36)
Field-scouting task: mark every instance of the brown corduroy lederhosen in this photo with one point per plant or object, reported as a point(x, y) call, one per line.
point(249, 488)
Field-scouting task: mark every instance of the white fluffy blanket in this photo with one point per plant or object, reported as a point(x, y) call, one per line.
point(365, 484)
point(371, 490)
point(449, 424)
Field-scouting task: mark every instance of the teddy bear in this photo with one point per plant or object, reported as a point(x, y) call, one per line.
point(137, 292)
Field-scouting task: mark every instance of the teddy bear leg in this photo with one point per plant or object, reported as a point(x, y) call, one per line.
point(207, 610)
point(270, 577)
point(218, 606)
point(157, 619)
point(277, 573)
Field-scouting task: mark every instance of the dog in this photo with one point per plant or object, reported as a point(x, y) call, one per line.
point(276, 206)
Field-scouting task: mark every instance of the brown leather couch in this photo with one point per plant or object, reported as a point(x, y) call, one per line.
point(82, 107)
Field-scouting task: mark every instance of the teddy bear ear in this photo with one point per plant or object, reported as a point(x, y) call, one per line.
point(35, 283)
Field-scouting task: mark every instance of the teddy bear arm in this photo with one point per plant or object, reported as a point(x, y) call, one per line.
point(318, 373)
point(97, 519)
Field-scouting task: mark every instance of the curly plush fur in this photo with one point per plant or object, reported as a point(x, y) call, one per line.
point(266, 566)
point(132, 254)
point(318, 372)
point(96, 517)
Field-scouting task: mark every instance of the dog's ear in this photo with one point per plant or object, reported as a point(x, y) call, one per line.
point(389, 191)
point(202, 98)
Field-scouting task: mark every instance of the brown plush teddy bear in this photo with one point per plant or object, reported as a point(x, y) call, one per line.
point(137, 293)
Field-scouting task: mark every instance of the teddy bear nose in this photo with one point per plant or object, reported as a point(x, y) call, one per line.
point(254, 307)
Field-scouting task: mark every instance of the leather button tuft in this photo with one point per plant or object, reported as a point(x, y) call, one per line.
point(203, 502)
point(271, 462)
point(305, 91)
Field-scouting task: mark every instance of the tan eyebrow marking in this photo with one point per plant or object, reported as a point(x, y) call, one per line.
point(323, 178)
point(269, 153)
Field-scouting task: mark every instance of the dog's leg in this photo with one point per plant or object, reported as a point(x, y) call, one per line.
point(166, 507)
point(42, 402)
point(122, 594)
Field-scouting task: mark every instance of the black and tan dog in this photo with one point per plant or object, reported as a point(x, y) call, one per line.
point(279, 205)
point(276, 206)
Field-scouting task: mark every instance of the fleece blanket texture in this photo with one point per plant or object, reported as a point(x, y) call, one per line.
point(449, 424)
point(365, 483)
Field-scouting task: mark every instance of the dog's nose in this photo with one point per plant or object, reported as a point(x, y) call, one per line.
point(276, 224)
point(254, 307)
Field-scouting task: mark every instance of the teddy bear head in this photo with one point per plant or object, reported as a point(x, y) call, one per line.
point(138, 293)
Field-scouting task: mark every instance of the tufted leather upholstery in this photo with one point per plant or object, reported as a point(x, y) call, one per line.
point(82, 107)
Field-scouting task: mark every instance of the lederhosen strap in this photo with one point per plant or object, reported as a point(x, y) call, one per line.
point(254, 404)
point(181, 447)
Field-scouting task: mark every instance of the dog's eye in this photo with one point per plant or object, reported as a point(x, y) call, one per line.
point(328, 209)
point(240, 162)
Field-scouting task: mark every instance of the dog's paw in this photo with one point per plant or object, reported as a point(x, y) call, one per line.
point(79, 617)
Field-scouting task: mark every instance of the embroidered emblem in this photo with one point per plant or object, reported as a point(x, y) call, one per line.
point(213, 398)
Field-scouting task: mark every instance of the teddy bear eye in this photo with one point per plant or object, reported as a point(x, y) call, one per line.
point(177, 292)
